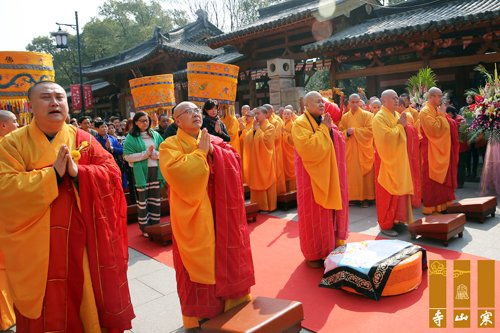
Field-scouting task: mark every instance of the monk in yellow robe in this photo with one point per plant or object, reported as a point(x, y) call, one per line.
point(246, 127)
point(63, 228)
point(214, 273)
point(232, 126)
point(394, 180)
point(278, 124)
point(8, 123)
point(320, 167)
point(288, 150)
point(356, 125)
point(407, 106)
point(260, 146)
point(375, 105)
point(439, 149)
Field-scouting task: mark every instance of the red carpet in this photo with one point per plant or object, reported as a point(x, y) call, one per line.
point(281, 272)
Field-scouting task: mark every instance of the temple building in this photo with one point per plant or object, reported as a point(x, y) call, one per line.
point(360, 43)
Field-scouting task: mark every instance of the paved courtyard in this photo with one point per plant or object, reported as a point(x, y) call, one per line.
point(153, 287)
point(152, 284)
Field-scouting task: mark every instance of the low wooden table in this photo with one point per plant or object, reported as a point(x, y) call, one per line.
point(261, 315)
point(252, 210)
point(475, 209)
point(442, 227)
point(287, 201)
point(161, 232)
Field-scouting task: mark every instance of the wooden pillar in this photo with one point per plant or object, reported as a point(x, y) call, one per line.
point(371, 86)
point(333, 70)
point(462, 84)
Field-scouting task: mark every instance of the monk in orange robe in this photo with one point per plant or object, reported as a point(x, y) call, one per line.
point(356, 125)
point(278, 124)
point(260, 146)
point(8, 123)
point(439, 154)
point(322, 201)
point(246, 126)
point(375, 105)
point(413, 145)
point(394, 185)
point(214, 272)
point(232, 126)
point(63, 228)
point(407, 106)
point(288, 150)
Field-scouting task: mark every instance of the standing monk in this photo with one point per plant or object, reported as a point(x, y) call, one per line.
point(278, 124)
point(394, 180)
point(439, 151)
point(357, 127)
point(246, 126)
point(211, 244)
point(260, 146)
point(288, 151)
point(8, 123)
point(322, 201)
point(63, 227)
point(232, 126)
point(413, 145)
point(407, 106)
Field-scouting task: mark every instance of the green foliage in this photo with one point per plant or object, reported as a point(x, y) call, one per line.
point(420, 83)
point(320, 80)
point(118, 25)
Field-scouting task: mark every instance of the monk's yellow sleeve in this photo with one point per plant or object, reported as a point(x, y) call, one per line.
point(186, 170)
point(434, 126)
point(311, 145)
point(343, 125)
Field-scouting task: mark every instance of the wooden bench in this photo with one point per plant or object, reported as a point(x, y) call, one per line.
point(161, 232)
point(442, 227)
point(252, 210)
point(261, 315)
point(287, 201)
point(475, 209)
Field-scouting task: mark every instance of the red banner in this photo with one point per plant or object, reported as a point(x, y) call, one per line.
point(87, 93)
point(76, 98)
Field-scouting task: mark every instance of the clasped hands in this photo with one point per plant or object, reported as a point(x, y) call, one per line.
point(205, 144)
point(64, 163)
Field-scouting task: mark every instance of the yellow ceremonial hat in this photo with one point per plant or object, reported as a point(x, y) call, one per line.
point(153, 93)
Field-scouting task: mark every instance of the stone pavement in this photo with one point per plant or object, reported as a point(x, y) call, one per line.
point(153, 288)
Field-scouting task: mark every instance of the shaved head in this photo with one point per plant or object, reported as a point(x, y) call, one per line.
point(181, 107)
point(314, 103)
point(389, 99)
point(353, 97)
point(435, 96)
point(8, 122)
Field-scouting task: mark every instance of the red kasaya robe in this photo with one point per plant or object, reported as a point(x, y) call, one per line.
point(320, 228)
point(435, 194)
point(234, 273)
point(413, 144)
point(87, 233)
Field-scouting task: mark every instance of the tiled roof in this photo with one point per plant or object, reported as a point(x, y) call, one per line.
point(274, 16)
point(432, 14)
point(187, 41)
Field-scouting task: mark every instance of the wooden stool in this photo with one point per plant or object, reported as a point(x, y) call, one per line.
point(161, 232)
point(246, 191)
point(442, 227)
point(287, 201)
point(475, 209)
point(261, 315)
point(252, 210)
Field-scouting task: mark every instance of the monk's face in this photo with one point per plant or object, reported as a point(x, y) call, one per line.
point(375, 108)
point(249, 116)
point(287, 115)
point(8, 125)
point(260, 116)
point(315, 105)
point(436, 98)
point(188, 118)
point(49, 105)
point(406, 102)
point(391, 101)
point(244, 111)
point(354, 104)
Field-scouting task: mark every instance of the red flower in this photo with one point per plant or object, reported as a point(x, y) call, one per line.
point(478, 99)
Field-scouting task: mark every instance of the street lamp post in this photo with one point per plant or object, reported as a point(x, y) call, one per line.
point(62, 43)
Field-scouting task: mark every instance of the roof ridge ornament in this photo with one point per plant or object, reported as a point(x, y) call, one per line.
point(202, 15)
